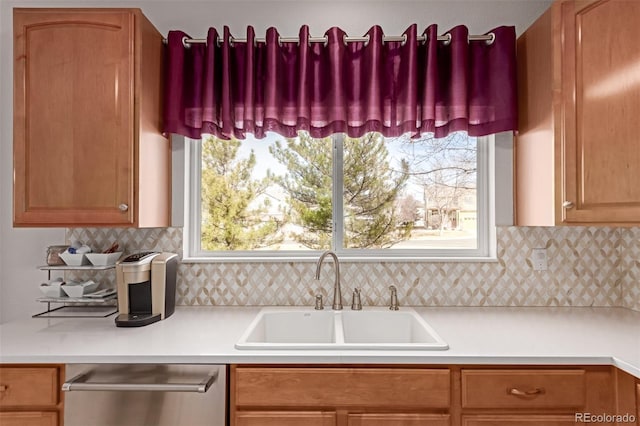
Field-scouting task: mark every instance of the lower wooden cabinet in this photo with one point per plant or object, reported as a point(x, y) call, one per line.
point(395, 419)
point(627, 398)
point(342, 396)
point(320, 418)
point(28, 418)
point(30, 395)
point(519, 420)
point(537, 396)
point(401, 395)
point(638, 402)
point(285, 418)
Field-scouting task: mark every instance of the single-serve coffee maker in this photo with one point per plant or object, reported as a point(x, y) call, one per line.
point(146, 288)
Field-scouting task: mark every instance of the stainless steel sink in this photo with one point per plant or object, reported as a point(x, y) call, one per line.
point(369, 329)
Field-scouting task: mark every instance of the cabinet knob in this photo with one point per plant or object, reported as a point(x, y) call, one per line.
point(568, 205)
point(123, 207)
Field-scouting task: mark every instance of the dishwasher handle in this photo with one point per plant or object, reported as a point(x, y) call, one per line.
point(79, 383)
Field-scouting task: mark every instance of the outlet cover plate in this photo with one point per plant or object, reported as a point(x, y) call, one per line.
point(539, 259)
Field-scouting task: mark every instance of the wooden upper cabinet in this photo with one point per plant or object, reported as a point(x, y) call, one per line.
point(578, 148)
point(88, 148)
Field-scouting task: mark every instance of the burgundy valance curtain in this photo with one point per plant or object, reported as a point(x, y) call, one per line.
point(228, 88)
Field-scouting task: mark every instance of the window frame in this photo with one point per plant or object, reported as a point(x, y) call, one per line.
point(486, 229)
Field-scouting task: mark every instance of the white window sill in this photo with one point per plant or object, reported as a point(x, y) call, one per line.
point(343, 259)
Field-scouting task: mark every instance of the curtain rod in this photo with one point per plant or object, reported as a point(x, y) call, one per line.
point(489, 38)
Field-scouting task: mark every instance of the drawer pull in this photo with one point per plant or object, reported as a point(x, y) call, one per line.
point(4, 388)
point(532, 392)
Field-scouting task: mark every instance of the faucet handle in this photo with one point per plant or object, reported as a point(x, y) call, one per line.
point(356, 302)
point(394, 298)
point(319, 305)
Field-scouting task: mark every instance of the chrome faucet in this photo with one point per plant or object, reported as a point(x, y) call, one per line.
point(394, 299)
point(356, 302)
point(337, 292)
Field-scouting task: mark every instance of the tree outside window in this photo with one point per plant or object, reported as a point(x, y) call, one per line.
point(279, 194)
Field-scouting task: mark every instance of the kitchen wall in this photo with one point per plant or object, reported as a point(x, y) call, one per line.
point(588, 266)
point(21, 250)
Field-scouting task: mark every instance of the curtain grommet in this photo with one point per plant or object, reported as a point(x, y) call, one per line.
point(404, 40)
point(184, 42)
point(325, 40)
point(230, 41)
point(279, 41)
point(218, 41)
point(366, 40)
point(491, 40)
point(448, 40)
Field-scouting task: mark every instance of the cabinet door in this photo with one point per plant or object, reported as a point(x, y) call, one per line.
point(285, 418)
point(518, 420)
point(398, 419)
point(27, 386)
point(29, 418)
point(601, 93)
point(638, 402)
point(73, 117)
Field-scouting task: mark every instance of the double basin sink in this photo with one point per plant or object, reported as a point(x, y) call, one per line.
point(369, 329)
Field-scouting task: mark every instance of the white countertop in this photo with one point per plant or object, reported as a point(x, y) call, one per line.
point(206, 335)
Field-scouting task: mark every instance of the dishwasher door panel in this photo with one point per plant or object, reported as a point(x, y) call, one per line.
point(152, 407)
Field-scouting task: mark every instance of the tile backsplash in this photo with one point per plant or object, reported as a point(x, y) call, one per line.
point(629, 252)
point(587, 266)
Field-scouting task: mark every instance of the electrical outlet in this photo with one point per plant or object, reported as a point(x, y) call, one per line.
point(539, 259)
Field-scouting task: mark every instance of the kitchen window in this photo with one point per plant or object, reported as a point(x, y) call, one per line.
point(367, 198)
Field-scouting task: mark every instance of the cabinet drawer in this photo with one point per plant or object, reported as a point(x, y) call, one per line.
point(509, 420)
point(29, 418)
point(28, 386)
point(523, 388)
point(340, 387)
point(398, 419)
point(284, 418)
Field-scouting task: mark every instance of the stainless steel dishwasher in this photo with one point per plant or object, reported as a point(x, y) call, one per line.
point(144, 395)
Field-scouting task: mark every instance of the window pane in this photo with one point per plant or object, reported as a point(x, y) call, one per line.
point(269, 194)
point(410, 194)
point(373, 181)
point(276, 194)
point(241, 208)
point(307, 184)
